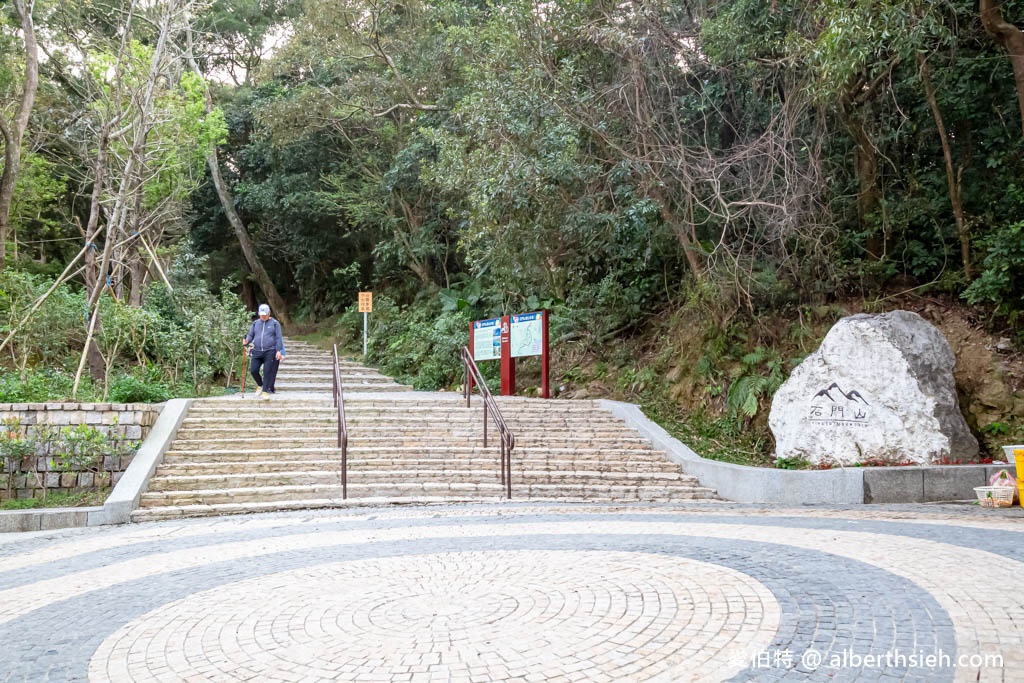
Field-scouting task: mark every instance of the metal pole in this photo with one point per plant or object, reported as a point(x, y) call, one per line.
point(364, 332)
point(501, 466)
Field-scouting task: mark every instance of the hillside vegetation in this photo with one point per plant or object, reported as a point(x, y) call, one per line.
point(695, 190)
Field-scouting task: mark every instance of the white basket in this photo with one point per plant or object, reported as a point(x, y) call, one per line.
point(994, 496)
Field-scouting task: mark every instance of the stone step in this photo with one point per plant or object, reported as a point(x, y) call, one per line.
point(266, 439)
point(447, 490)
point(173, 512)
point(413, 417)
point(398, 453)
point(313, 478)
point(322, 406)
point(322, 377)
point(265, 494)
point(196, 429)
point(291, 364)
point(328, 381)
point(188, 468)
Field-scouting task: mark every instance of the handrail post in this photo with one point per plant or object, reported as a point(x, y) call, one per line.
point(339, 403)
point(504, 457)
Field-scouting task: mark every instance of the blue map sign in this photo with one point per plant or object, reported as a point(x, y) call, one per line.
point(527, 335)
point(487, 339)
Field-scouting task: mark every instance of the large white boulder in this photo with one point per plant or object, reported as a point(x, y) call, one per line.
point(879, 387)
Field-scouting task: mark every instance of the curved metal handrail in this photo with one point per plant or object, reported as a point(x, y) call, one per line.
point(339, 403)
point(471, 374)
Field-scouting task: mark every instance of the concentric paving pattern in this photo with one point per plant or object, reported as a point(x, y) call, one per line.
point(528, 593)
point(482, 615)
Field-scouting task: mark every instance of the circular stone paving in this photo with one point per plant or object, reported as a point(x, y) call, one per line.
point(522, 593)
point(504, 613)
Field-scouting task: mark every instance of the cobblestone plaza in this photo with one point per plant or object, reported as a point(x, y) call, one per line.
point(697, 592)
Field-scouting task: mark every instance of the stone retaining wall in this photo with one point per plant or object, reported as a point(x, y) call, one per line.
point(839, 486)
point(122, 422)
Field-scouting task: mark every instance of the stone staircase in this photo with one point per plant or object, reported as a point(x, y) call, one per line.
point(305, 368)
point(234, 455)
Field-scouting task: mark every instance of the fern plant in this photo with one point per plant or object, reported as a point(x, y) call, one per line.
point(761, 373)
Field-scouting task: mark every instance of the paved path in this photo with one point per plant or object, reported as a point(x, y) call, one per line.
point(701, 592)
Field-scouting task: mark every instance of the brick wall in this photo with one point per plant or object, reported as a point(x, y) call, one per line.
point(122, 422)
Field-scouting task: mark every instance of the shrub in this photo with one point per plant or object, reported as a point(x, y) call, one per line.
point(1001, 281)
point(38, 385)
point(81, 447)
point(132, 389)
point(419, 345)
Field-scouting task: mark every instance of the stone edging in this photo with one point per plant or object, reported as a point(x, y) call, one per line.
point(124, 498)
point(841, 486)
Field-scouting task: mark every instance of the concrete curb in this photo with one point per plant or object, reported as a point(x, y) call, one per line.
point(842, 486)
point(124, 498)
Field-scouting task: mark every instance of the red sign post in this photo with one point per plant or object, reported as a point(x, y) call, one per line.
point(511, 337)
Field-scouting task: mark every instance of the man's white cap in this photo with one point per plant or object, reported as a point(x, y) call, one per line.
point(264, 309)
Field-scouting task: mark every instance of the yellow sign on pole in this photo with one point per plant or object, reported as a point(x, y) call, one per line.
point(366, 302)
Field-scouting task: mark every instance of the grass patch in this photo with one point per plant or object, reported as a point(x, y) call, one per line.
point(74, 499)
point(712, 439)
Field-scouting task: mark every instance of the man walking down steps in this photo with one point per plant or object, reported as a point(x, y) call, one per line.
point(267, 350)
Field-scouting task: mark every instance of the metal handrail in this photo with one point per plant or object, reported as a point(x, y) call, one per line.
point(471, 374)
point(339, 403)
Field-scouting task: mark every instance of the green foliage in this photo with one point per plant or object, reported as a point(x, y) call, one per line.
point(49, 331)
point(418, 346)
point(81, 447)
point(793, 464)
point(1001, 282)
point(760, 373)
point(39, 385)
point(996, 429)
point(58, 500)
point(15, 446)
point(36, 211)
point(175, 344)
point(186, 133)
point(148, 388)
point(195, 334)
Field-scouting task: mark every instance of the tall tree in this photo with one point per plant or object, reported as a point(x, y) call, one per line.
point(13, 131)
point(1011, 38)
point(227, 201)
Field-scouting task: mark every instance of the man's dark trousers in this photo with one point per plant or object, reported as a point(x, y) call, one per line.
point(266, 359)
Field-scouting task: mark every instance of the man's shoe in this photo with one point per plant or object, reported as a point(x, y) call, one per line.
point(264, 395)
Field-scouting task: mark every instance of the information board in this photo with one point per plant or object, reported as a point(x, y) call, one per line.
point(366, 302)
point(487, 339)
point(527, 335)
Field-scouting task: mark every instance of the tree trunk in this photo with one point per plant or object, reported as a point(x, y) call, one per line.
point(227, 202)
point(683, 230)
point(277, 304)
point(139, 275)
point(92, 226)
point(15, 132)
point(865, 164)
point(952, 179)
point(1012, 40)
point(249, 295)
